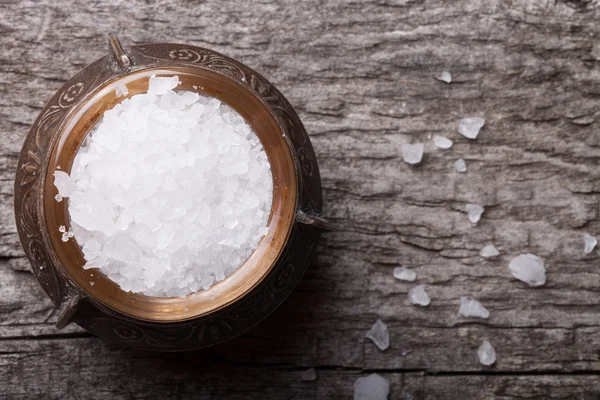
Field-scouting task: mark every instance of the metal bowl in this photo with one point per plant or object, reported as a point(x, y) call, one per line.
point(228, 307)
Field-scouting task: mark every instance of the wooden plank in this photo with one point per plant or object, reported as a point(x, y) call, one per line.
point(88, 368)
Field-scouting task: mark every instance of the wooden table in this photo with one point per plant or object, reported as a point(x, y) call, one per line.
point(361, 76)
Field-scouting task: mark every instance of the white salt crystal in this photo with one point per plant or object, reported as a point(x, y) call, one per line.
point(444, 76)
point(170, 193)
point(460, 165)
point(489, 251)
point(161, 85)
point(309, 375)
point(470, 126)
point(412, 153)
point(486, 353)
point(404, 274)
point(372, 387)
point(65, 237)
point(63, 182)
point(442, 142)
point(121, 89)
point(469, 307)
point(589, 243)
point(474, 212)
point(62, 229)
point(528, 268)
point(379, 334)
point(58, 198)
point(419, 296)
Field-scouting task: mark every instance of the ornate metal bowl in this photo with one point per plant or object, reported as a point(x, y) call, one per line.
point(207, 317)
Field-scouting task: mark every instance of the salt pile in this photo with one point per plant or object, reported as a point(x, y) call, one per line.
point(460, 165)
point(419, 296)
point(469, 307)
point(589, 242)
point(486, 353)
point(528, 268)
point(469, 127)
point(372, 387)
point(412, 153)
point(379, 334)
point(309, 375)
point(489, 251)
point(170, 193)
point(404, 274)
point(474, 212)
point(442, 142)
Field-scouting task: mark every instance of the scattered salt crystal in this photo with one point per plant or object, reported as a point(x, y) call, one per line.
point(474, 212)
point(470, 126)
point(486, 353)
point(379, 334)
point(372, 387)
point(65, 237)
point(58, 198)
point(442, 142)
point(62, 229)
point(404, 274)
point(460, 165)
point(444, 76)
point(469, 307)
point(489, 251)
point(309, 375)
point(419, 296)
point(412, 153)
point(589, 243)
point(121, 89)
point(528, 268)
point(58, 167)
point(92, 283)
point(170, 193)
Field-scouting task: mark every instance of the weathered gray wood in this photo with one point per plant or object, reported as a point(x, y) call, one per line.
point(361, 77)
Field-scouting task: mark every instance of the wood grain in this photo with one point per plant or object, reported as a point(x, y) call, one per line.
point(361, 76)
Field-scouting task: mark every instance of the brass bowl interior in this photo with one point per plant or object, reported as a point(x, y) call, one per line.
point(170, 309)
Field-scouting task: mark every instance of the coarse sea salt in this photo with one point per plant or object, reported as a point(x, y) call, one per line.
point(412, 153)
point(489, 251)
point(442, 142)
point(469, 127)
point(528, 268)
point(469, 307)
point(589, 243)
point(444, 76)
point(419, 296)
point(460, 165)
point(170, 193)
point(486, 353)
point(379, 334)
point(372, 387)
point(404, 274)
point(474, 212)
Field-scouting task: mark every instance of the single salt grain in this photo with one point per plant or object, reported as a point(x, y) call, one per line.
point(444, 76)
point(404, 274)
point(486, 353)
point(474, 212)
point(469, 307)
point(470, 126)
point(460, 165)
point(91, 283)
point(58, 198)
point(379, 334)
point(309, 375)
point(442, 142)
point(62, 229)
point(372, 387)
point(412, 153)
point(419, 296)
point(65, 237)
point(589, 243)
point(528, 268)
point(121, 89)
point(170, 193)
point(489, 251)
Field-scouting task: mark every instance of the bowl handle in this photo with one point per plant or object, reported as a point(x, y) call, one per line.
point(68, 309)
point(312, 221)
